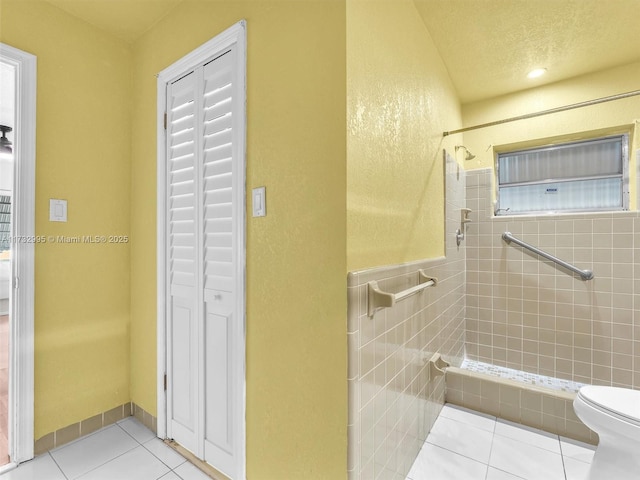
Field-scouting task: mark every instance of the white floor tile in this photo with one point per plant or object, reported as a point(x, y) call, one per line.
point(138, 463)
point(528, 435)
point(495, 474)
point(575, 469)
point(461, 438)
point(461, 414)
point(40, 468)
point(90, 452)
point(188, 471)
point(164, 453)
point(170, 476)
point(577, 450)
point(524, 460)
point(517, 452)
point(137, 430)
point(435, 463)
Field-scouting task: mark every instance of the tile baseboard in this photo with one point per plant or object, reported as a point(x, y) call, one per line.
point(531, 405)
point(144, 417)
point(89, 425)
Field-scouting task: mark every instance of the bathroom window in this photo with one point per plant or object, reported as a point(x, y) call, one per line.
point(589, 175)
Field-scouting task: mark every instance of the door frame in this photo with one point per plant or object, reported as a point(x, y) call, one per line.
point(21, 320)
point(236, 34)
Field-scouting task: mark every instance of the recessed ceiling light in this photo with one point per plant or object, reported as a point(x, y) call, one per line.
point(538, 72)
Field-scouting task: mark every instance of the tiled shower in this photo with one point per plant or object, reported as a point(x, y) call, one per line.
point(526, 313)
point(493, 303)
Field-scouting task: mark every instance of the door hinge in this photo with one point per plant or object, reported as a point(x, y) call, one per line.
point(16, 282)
point(165, 382)
point(165, 120)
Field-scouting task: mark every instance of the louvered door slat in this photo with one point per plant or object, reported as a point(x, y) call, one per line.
point(179, 214)
point(182, 163)
point(218, 196)
point(182, 227)
point(182, 149)
point(221, 91)
point(218, 124)
point(182, 96)
point(182, 188)
point(183, 253)
point(215, 154)
point(218, 139)
point(182, 123)
point(218, 110)
point(219, 225)
point(222, 181)
point(182, 201)
point(181, 137)
point(218, 240)
point(182, 175)
point(220, 254)
point(224, 210)
point(221, 167)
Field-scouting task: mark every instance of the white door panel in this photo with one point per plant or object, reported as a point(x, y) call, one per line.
point(183, 402)
point(205, 191)
point(182, 242)
point(218, 380)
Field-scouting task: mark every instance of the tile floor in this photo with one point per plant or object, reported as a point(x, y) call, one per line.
point(467, 445)
point(462, 445)
point(126, 450)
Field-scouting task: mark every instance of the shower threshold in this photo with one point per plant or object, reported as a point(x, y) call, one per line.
point(521, 376)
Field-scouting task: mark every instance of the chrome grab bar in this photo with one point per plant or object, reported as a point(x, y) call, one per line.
point(584, 274)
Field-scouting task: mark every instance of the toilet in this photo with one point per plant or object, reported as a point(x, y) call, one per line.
point(614, 414)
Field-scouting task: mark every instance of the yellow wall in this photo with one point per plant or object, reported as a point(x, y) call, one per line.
point(83, 155)
point(400, 100)
point(296, 261)
point(605, 117)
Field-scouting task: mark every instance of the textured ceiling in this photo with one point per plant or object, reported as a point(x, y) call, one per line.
point(124, 19)
point(489, 46)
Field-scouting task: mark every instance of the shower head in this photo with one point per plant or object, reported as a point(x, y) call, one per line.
point(468, 154)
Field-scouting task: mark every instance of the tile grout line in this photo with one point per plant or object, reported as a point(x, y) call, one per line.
point(460, 454)
point(140, 444)
point(111, 459)
point(494, 433)
point(59, 467)
point(493, 436)
point(170, 469)
point(564, 466)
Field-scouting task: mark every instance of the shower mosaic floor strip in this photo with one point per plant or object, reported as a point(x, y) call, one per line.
point(520, 376)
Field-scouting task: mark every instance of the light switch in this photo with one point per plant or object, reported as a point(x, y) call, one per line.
point(57, 210)
point(259, 202)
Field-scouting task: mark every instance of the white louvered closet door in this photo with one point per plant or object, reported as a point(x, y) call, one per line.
point(204, 390)
point(220, 212)
point(183, 252)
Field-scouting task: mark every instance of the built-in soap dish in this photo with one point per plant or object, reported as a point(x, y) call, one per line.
point(437, 365)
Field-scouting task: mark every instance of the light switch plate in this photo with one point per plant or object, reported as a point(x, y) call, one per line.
point(259, 203)
point(57, 210)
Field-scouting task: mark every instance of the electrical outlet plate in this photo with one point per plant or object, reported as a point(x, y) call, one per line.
point(57, 210)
